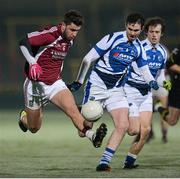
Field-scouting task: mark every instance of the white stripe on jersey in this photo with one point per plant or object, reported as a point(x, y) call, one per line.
point(50, 45)
point(36, 33)
point(118, 40)
point(135, 74)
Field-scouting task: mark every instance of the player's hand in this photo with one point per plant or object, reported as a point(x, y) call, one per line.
point(74, 86)
point(167, 85)
point(153, 84)
point(35, 71)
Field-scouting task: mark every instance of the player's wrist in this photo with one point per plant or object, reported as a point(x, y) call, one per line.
point(32, 61)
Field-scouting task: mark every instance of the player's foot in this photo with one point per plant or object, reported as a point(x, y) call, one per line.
point(21, 124)
point(126, 166)
point(99, 136)
point(103, 168)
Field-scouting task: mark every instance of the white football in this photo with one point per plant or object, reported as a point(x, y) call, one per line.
point(92, 110)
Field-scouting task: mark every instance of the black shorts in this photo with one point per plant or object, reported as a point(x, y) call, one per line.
point(174, 98)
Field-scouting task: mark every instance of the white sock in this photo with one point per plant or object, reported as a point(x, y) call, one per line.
point(132, 155)
point(89, 134)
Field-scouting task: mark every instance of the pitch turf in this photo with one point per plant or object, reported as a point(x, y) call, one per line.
point(57, 151)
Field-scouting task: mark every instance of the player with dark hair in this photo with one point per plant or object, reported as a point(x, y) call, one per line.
point(113, 55)
point(45, 52)
point(139, 94)
point(172, 113)
point(160, 95)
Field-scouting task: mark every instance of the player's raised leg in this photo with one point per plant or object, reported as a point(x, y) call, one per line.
point(65, 101)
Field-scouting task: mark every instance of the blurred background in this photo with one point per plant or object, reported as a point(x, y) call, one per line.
point(101, 17)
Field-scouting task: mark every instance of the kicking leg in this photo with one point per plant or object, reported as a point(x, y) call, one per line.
point(65, 101)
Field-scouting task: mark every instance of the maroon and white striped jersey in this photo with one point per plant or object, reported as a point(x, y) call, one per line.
point(49, 49)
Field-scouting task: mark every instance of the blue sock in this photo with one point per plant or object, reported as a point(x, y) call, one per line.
point(107, 156)
point(130, 159)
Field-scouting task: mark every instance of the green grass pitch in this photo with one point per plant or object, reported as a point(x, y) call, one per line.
point(56, 151)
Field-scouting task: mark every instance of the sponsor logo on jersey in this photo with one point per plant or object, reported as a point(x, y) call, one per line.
point(154, 65)
point(58, 55)
point(121, 56)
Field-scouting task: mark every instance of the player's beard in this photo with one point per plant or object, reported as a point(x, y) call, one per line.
point(65, 36)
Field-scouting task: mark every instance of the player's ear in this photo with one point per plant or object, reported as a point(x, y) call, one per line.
point(63, 26)
point(142, 28)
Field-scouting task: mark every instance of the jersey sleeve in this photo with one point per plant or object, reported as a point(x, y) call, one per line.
point(142, 58)
point(104, 44)
point(166, 57)
point(44, 37)
point(142, 64)
point(90, 57)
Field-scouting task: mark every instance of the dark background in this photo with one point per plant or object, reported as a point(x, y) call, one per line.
point(17, 17)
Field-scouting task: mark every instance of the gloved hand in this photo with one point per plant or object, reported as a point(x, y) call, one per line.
point(153, 84)
point(74, 86)
point(35, 71)
point(167, 85)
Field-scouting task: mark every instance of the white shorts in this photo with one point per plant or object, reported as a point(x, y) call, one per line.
point(37, 94)
point(110, 98)
point(137, 102)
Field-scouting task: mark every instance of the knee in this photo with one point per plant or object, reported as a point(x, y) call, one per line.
point(133, 132)
point(172, 122)
point(146, 130)
point(33, 129)
point(122, 127)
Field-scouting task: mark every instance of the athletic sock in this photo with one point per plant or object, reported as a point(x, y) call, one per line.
point(90, 134)
point(107, 156)
point(130, 159)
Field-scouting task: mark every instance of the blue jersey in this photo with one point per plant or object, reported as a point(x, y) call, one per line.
point(116, 54)
point(157, 57)
point(113, 55)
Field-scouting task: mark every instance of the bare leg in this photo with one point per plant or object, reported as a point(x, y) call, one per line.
point(120, 119)
point(164, 125)
point(32, 120)
point(173, 117)
point(136, 147)
point(145, 119)
point(65, 101)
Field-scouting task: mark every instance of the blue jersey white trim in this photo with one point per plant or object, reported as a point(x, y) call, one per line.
point(117, 53)
point(156, 56)
point(113, 55)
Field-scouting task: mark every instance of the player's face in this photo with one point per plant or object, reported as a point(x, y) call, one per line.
point(133, 30)
point(154, 34)
point(71, 31)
